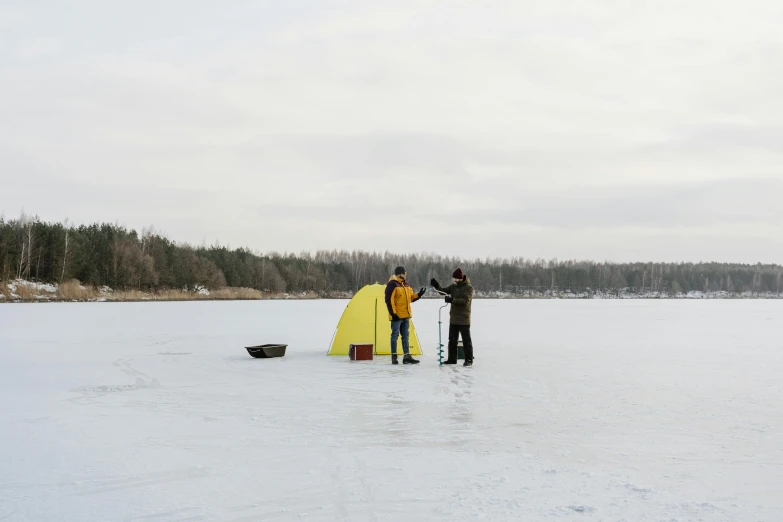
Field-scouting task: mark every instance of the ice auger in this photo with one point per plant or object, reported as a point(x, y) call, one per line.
point(440, 338)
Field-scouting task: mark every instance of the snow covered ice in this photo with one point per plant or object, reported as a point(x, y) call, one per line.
point(574, 410)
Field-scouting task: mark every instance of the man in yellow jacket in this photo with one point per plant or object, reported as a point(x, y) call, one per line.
point(399, 296)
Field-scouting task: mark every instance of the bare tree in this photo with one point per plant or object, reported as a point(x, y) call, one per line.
point(67, 227)
point(21, 261)
point(27, 239)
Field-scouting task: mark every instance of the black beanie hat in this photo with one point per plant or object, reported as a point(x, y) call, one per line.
point(399, 270)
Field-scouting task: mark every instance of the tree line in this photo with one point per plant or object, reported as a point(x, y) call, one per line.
point(120, 258)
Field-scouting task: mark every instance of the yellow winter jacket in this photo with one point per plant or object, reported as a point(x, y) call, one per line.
point(399, 296)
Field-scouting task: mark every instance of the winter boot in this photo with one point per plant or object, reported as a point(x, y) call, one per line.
point(407, 359)
point(468, 362)
point(452, 358)
point(394, 358)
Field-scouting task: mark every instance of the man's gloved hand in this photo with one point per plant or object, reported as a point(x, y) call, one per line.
point(449, 299)
point(434, 283)
point(422, 291)
point(395, 318)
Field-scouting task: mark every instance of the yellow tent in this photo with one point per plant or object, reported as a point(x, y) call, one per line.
point(366, 321)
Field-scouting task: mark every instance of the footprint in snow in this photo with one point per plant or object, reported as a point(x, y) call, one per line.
point(582, 509)
point(140, 384)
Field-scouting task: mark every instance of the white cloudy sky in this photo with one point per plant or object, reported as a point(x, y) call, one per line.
point(600, 129)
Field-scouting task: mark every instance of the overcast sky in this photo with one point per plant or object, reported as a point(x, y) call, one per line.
point(604, 129)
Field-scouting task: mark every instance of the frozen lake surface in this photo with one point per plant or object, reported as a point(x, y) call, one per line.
point(574, 410)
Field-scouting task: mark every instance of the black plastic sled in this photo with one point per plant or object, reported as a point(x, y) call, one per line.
point(267, 351)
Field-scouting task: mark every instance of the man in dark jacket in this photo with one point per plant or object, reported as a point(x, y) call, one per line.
point(399, 296)
point(460, 295)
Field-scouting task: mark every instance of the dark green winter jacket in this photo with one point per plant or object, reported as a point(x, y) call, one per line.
point(462, 293)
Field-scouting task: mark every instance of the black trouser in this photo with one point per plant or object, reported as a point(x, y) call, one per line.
point(455, 330)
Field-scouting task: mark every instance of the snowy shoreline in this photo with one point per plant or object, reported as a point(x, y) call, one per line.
point(22, 291)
